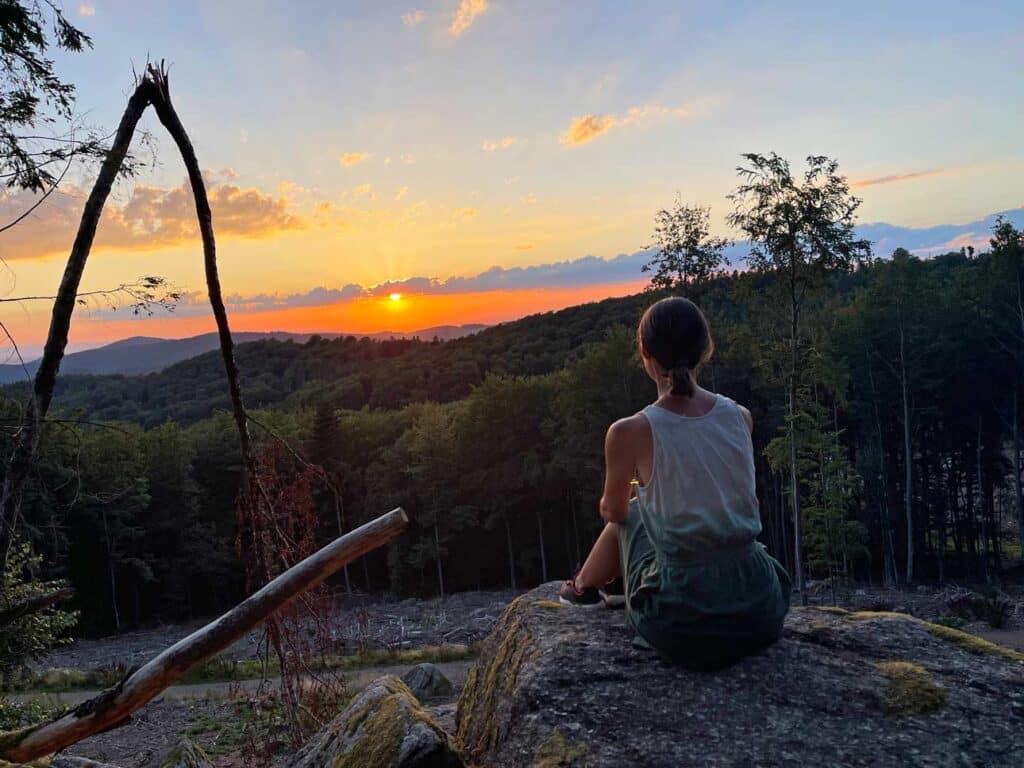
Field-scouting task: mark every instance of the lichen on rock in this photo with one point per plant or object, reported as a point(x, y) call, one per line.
point(911, 690)
point(384, 727)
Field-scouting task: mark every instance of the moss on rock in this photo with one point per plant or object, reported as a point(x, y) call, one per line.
point(558, 752)
point(911, 690)
point(973, 643)
point(493, 679)
point(384, 727)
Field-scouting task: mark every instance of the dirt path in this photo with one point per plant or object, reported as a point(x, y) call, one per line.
point(357, 680)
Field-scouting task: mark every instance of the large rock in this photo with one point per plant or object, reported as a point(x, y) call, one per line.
point(383, 727)
point(558, 686)
point(427, 682)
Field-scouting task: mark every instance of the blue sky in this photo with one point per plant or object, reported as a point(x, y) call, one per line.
point(402, 145)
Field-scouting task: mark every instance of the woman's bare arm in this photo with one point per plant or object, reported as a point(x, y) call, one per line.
point(620, 457)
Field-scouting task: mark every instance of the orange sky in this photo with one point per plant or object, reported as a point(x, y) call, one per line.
point(364, 315)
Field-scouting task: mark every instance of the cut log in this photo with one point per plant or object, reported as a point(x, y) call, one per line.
point(114, 705)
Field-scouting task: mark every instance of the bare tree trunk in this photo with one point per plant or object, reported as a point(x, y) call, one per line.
point(113, 707)
point(511, 551)
point(169, 118)
point(907, 457)
point(543, 555)
point(339, 516)
point(19, 464)
point(794, 481)
point(437, 558)
point(1018, 493)
point(985, 553)
point(110, 572)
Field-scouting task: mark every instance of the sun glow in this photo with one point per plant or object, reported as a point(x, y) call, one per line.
point(395, 297)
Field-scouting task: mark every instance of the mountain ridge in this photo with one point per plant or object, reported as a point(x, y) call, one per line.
point(139, 355)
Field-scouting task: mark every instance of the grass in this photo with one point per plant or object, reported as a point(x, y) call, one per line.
point(224, 669)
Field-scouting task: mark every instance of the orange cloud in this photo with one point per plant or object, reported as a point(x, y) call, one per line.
point(152, 217)
point(350, 159)
point(896, 178)
point(465, 15)
point(583, 130)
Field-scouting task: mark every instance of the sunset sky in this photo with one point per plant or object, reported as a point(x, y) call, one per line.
point(469, 155)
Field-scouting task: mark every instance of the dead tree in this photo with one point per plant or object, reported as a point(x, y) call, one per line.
point(151, 88)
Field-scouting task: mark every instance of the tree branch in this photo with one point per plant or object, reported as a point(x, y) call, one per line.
point(115, 704)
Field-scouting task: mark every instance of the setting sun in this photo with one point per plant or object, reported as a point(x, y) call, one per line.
point(396, 297)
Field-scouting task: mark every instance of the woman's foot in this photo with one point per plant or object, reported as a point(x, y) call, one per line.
point(589, 597)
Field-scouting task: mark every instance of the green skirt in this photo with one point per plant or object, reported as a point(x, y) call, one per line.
point(706, 612)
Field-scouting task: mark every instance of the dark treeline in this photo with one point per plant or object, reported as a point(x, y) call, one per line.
point(494, 442)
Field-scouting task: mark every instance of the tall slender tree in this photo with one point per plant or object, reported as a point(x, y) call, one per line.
point(800, 229)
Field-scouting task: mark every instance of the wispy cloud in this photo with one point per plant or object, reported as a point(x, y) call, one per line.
point(350, 159)
point(585, 128)
point(896, 178)
point(465, 15)
point(502, 143)
point(152, 217)
point(86, 9)
point(412, 18)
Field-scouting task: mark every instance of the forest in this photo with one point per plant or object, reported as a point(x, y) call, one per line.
point(907, 426)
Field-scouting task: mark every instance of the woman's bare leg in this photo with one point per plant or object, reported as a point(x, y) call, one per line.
point(602, 564)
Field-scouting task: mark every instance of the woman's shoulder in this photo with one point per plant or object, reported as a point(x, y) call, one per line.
point(630, 430)
point(743, 411)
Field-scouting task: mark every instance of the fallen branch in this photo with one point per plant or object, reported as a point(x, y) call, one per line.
point(113, 706)
point(31, 605)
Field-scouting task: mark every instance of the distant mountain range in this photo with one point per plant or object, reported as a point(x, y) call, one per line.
point(139, 355)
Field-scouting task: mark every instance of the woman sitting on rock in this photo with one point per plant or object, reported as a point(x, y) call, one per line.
point(698, 587)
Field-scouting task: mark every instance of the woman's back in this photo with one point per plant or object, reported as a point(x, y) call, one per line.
point(700, 497)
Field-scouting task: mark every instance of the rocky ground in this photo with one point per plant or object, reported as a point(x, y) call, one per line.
point(360, 623)
point(212, 713)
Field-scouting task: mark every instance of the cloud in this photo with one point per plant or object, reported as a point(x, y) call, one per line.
point(364, 192)
point(86, 9)
point(502, 143)
point(412, 18)
point(350, 159)
point(583, 130)
point(465, 15)
point(401, 193)
point(896, 178)
point(589, 270)
point(152, 217)
point(468, 213)
point(586, 128)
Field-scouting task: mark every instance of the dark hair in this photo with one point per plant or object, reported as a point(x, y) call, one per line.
point(675, 333)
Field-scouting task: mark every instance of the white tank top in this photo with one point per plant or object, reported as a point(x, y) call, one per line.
point(701, 495)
